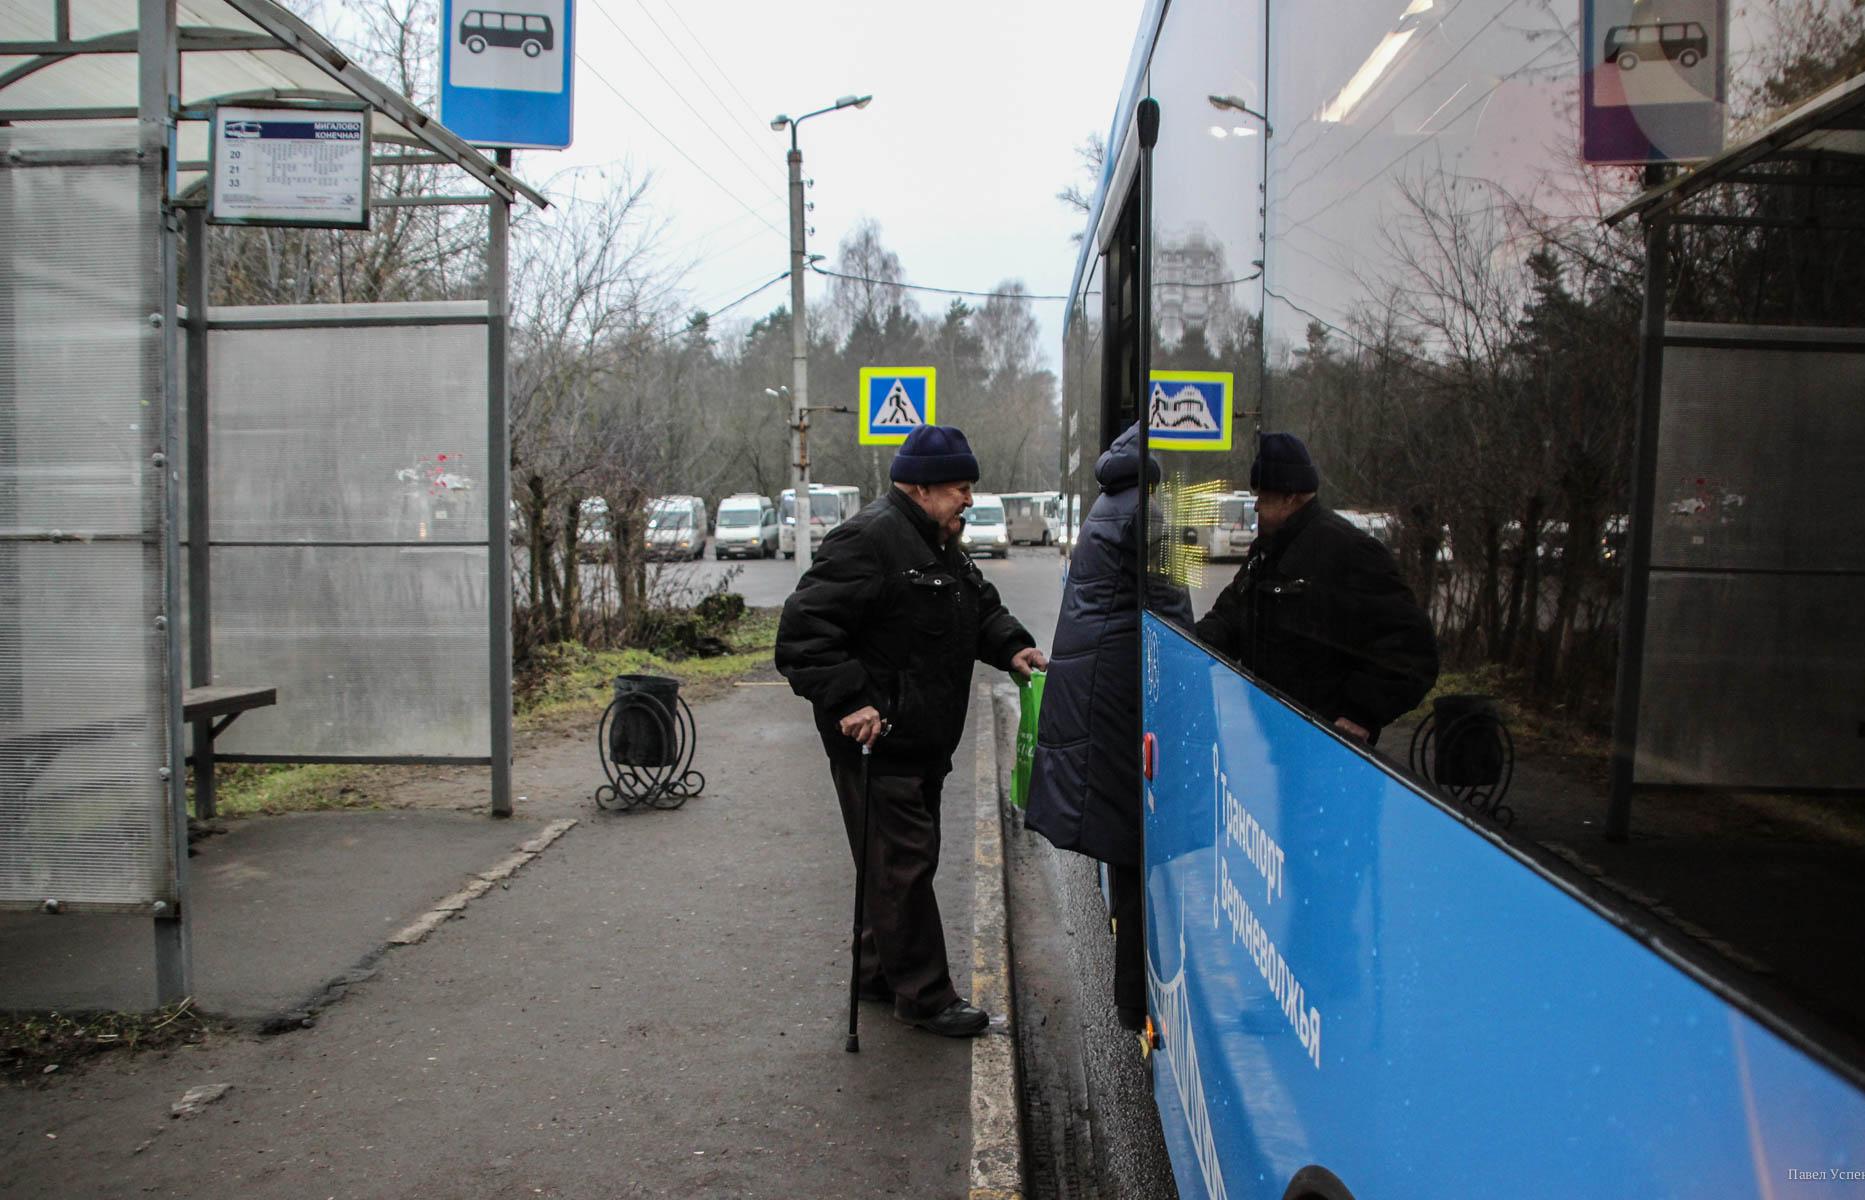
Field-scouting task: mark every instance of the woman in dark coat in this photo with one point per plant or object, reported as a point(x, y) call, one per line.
point(1085, 777)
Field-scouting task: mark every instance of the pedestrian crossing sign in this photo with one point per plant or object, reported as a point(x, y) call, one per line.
point(1189, 410)
point(895, 401)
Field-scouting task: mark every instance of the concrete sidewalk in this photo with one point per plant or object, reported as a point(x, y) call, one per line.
point(652, 1007)
point(284, 908)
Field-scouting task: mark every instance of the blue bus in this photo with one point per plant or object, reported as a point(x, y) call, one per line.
point(1367, 223)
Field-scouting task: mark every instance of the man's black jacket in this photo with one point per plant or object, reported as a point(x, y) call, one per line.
point(1318, 611)
point(886, 617)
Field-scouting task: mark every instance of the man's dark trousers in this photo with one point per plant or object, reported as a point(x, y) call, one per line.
point(902, 939)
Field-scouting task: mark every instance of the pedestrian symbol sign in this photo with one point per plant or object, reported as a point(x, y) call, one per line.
point(894, 402)
point(1189, 410)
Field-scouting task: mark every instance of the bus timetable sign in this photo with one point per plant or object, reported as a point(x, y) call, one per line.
point(290, 166)
point(1653, 80)
point(505, 71)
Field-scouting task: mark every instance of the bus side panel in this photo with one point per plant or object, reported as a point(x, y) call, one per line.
point(1344, 974)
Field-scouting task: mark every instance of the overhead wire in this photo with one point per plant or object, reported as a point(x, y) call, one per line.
point(920, 287)
point(762, 145)
point(725, 308)
point(681, 97)
point(1371, 126)
point(1381, 173)
point(604, 80)
point(723, 73)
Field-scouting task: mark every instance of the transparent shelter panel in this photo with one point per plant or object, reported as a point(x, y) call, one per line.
point(76, 351)
point(82, 728)
point(375, 651)
point(1207, 253)
point(349, 434)
point(84, 812)
point(1759, 454)
point(1752, 682)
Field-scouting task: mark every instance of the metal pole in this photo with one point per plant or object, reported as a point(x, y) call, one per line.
point(156, 72)
point(1641, 511)
point(200, 589)
point(498, 496)
point(799, 357)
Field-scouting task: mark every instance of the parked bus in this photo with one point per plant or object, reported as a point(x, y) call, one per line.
point(1362, 983)
point(1032, 516)
point(829, 505)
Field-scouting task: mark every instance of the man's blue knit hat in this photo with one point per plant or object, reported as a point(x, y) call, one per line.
point(934, 454)
point(1282, 465)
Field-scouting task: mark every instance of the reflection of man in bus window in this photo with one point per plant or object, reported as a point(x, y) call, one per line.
point(1318, 610)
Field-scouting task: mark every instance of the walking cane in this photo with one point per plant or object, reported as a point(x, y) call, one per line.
point(853, 1044)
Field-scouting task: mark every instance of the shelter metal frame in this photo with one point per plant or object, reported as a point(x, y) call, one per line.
point(284, 59)
point(1829, 128)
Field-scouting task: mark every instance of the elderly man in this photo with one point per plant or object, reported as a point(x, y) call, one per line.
point(880, 636)
point(1318, 610)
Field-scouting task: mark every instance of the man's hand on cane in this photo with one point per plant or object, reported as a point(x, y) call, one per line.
point(865, 725)
point(1028, 661)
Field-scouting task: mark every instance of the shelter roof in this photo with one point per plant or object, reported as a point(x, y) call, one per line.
point(66, 60)
point(1831, 124)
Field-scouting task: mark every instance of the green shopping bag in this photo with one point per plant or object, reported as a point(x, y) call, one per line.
point(1030, 692)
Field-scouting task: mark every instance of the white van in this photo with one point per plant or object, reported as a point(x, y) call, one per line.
point(747, 527)
point(829, 505)
point(676, 527)
point(987, 529)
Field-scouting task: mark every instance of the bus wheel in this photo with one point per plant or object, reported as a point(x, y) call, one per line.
point(1316, 1183)
point(1627, 61)
point(533, 47)
point(476, 44)
point(1688, 59)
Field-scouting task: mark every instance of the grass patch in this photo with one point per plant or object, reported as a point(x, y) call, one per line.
point(266, 789)
point(1528, 723)
point(560, 681)
point(37, 1044)
point(570, 678)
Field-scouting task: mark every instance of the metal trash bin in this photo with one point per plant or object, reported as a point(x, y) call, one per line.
point(646, 739)
point(1469, 752)
point(1465, 749)
point(643, 734)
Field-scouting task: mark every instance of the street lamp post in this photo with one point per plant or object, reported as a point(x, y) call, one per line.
point(799, 328)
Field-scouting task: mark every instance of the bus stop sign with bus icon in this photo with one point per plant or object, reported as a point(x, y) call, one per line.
point(505, 71)
point(1654, 80)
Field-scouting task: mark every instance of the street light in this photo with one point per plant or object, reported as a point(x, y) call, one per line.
point(799, 330)
point(1232, 102)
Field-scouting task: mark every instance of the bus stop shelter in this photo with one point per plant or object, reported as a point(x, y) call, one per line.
point(1745, 572)
point(293, 512)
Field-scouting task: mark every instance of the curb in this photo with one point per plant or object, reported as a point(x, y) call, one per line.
point(996, 1122)
point(482, 883)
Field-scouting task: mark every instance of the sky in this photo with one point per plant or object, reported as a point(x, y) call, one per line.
point(978, 108)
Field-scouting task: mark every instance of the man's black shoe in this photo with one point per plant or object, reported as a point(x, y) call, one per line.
point(957, 1019)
